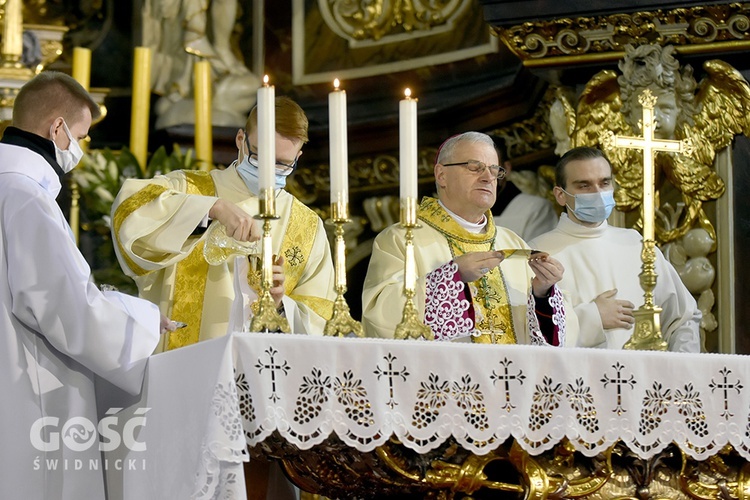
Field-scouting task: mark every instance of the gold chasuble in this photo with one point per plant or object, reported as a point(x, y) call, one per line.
point(499, 308)
point(492, 314)
point(154, 223)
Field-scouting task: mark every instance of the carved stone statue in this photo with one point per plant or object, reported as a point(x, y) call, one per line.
point(180, 31)
point(710, 114)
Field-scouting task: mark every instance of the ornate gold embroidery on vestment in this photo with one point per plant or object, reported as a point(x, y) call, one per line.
point(294, 256)
point(126, 208)
point(492, 312)
point(192, 273)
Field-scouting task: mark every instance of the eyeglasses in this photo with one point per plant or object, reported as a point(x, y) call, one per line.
point(478, 167)
point(281, 167)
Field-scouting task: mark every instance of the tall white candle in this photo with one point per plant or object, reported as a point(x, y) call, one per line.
point(338, 147)
point(408, 147)
point(266, 136)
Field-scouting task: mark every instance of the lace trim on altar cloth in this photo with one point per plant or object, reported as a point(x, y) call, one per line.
point(220, 475)
point(446, 306)
point(367, 391)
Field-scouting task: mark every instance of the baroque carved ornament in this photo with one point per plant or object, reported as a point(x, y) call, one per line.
point(697, 29)
point(386, 21)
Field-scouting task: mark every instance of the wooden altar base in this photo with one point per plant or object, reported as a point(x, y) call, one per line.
point(449, 472)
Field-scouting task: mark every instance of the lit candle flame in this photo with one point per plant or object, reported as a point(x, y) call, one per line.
point(407, 92)
point(265, 80)
point(336, 83)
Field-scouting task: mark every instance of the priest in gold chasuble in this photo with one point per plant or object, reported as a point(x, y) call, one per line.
point(156, 225)
point(475, 280)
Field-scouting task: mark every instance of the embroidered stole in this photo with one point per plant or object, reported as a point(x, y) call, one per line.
point(493, 318)
point(191, 276)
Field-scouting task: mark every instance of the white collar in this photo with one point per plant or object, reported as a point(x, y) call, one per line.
point(568, 226)
point(472, 227)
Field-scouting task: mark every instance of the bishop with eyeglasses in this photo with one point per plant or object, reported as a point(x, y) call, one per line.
point(475, 281)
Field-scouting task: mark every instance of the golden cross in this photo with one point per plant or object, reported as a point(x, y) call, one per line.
point(649, 145)
point(647, 329)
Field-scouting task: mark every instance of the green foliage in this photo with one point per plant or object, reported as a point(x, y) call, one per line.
point(101, 173)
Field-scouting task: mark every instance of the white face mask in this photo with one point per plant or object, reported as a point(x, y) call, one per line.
point(593, 207)
point(69, 158)
point(248, 170)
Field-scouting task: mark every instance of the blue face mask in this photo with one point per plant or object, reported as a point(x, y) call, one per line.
point(248, 170)
point(593, 207)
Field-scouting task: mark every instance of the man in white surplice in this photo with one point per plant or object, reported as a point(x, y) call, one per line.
point(58, 330)
point(602, 262)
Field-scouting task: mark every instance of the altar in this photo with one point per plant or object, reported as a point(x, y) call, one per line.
point(368, 418)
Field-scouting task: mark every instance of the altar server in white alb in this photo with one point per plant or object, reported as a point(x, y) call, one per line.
point(58, 331)
point(602, 263)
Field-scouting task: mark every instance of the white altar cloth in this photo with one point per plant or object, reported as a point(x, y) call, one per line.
point(203, 398)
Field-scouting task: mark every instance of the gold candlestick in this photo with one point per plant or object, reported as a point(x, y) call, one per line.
point(647, 331)
point(411, 325)
point(12, 42)
point(267, 317)
point(11, 45)
point(341, 323)
point(82, 73)
point(75, 210)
